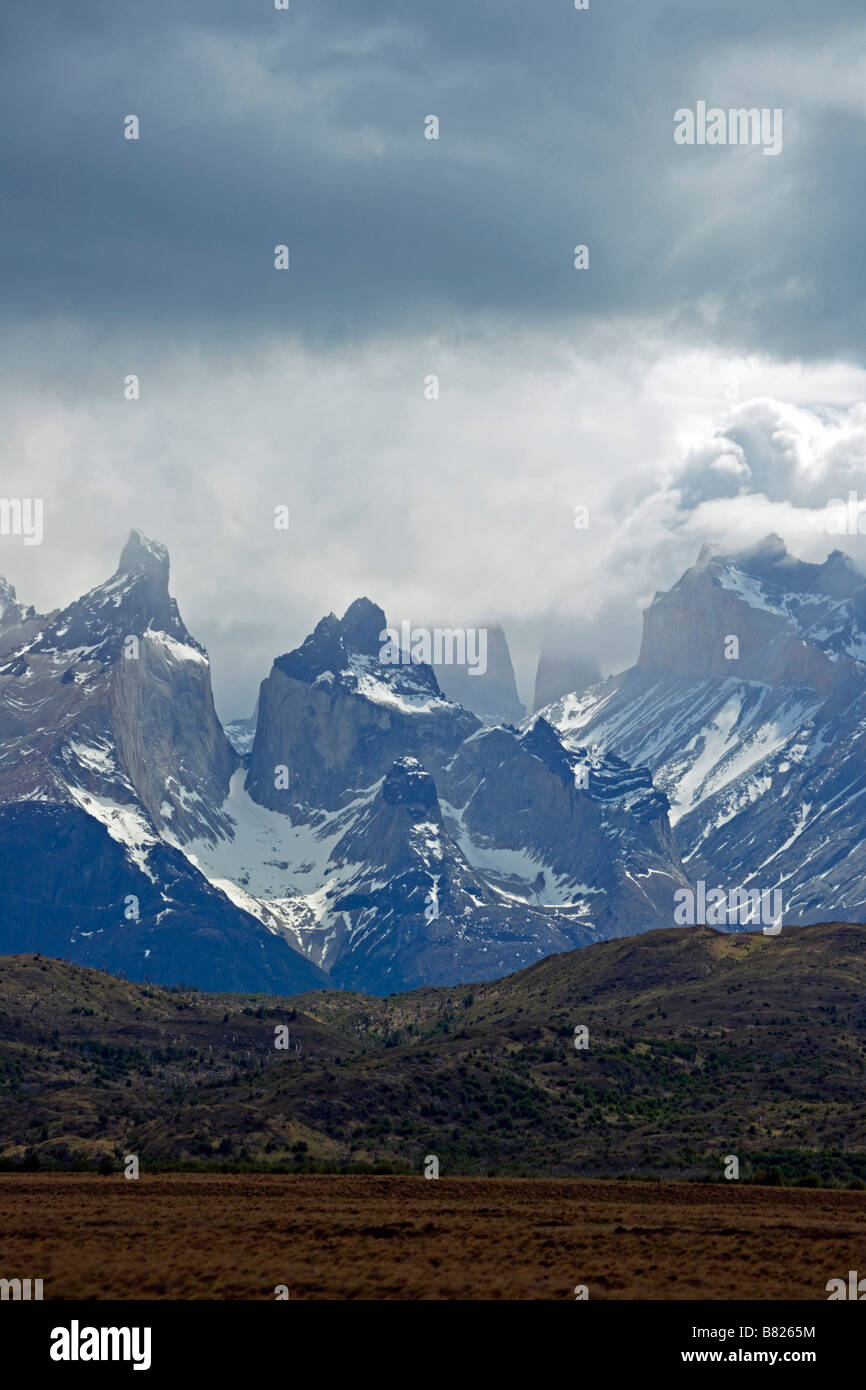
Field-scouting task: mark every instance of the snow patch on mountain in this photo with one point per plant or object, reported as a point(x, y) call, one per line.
point(276, 869)
point(178, 651)
point(124, 823)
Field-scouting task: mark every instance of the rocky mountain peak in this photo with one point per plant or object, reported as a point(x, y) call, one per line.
point(334, 641)
point(839, 558)
point(793, 620)
point(543, 741)
point(491, 692)
point(407, 784)
point(18, 623)
point(11, 611)
point(347, 654)
point(839, 577)
point(361, 625)
point(563, 672)
point(323, 651)
point(337, 716)
point(111, 701)
point(143, 555)
point(133, 600)
point(7, 597)
point(770, 548)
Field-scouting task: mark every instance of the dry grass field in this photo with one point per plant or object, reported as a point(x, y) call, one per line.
point(369, 1237)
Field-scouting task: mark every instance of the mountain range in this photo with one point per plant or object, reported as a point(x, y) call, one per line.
point(365, 829)
point(748, 706)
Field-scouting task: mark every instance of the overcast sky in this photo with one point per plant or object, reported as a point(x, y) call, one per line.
point(702, 380)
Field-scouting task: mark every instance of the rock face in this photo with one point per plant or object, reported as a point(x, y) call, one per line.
point(406, 907)
point(784, 614)
point(397, 841)
point(491, 694)
point(336, 718)
point(759, 742)
point(111, 757)
point(17, 622)
point(110, 696)
point(562, 673)
point(565, 826)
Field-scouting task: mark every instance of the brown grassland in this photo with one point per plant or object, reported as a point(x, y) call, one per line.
point(340, 1237)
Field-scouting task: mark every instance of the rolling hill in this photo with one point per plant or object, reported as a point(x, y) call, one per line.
point(702, 1044)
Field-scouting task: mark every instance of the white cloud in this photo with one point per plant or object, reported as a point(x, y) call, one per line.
point(458, 507)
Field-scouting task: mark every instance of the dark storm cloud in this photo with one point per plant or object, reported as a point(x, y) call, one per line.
point(306, 127)
point(610, 388)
